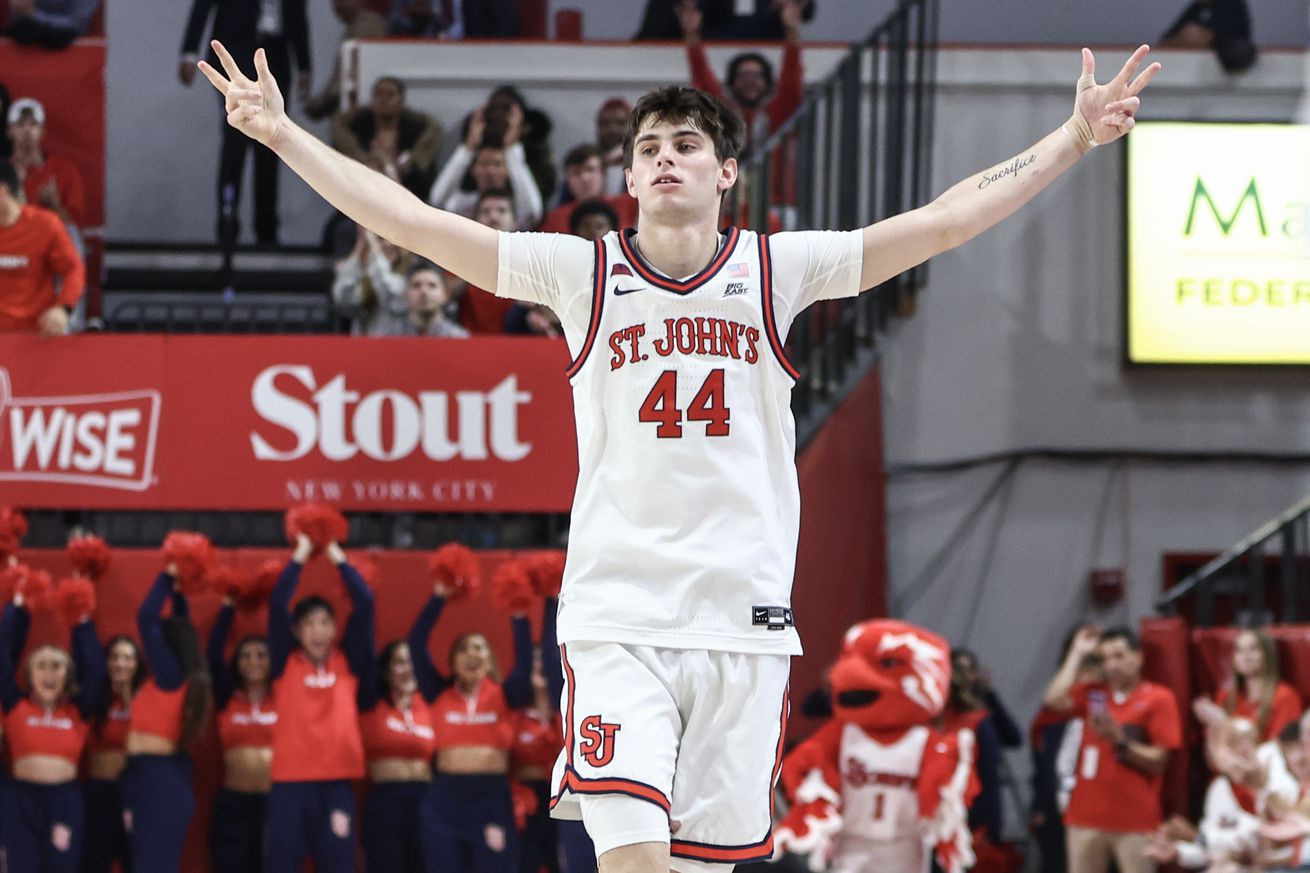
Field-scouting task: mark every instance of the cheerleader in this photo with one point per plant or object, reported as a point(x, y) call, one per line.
point(469, 804)
point(398, 745)
point(46, 729)
point(106, 756)
point(317, 749)
point(538, 737)
point(167, 716)
point(246, 718)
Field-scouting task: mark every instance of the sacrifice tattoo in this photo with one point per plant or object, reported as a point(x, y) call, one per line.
point(1010, 169)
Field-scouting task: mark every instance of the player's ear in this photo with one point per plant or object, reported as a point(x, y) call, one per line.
point(727, 174)
point(629, 183)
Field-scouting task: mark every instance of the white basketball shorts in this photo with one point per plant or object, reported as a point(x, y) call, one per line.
point(697, 734)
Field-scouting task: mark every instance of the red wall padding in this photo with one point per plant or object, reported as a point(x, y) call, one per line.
point(1166, 662)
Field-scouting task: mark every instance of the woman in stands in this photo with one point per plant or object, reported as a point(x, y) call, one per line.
point(106, 756)
point(317, 749)
point(1255, 691)
point(168, 714)
point(472, 712)
point(398, 745)
point(46, 730)
point(246, 716)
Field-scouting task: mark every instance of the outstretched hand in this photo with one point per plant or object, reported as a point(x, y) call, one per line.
point(254, 107)
point(1109, 110)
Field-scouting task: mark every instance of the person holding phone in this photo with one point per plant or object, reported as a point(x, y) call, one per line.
point(1131, 726)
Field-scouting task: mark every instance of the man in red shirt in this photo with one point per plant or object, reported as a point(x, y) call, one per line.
point(48, 180)
point(35, 249)
point(584, 178)
point(1132, 726)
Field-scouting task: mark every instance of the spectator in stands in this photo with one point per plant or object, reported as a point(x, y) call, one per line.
point(281, 28)
point(50, 181)
point(1255, 691)
point(397, 141)
point(974, 704)
point(506, 106)
point(35, 251)
point(481, 311)
point(455, 19)
point(593, 219)
point(762, 21)
point(1055, 738)
point(372, 280)
point(50, 24)
point(1221, 25)
point(584, 180)
point(361, 22)
point(611, 125)
point(1132, 725)
point(495, 162)
point(750, 90)
point(425, 301)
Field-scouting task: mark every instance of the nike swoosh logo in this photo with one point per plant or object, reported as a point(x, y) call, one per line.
point(618, 292)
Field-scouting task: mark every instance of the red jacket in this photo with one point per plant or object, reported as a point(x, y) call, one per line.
point(33, 251)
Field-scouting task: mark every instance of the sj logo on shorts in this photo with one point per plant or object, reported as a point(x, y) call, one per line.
point(597, 746)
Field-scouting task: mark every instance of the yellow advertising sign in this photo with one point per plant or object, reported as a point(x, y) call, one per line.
point(1218, 244)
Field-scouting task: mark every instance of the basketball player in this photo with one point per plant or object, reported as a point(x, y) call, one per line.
point(674, 619)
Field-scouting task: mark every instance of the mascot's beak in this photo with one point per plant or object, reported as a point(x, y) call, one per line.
point(856, 683)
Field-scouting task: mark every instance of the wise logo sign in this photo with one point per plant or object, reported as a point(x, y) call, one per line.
point(1218, 220)
point(103, 440)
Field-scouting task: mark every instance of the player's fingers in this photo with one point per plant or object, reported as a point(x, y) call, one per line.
point(245, 95)
point(229, 63)
point(1089, 62)
point(1128, 105)
point(215, 78)
point(1144, 79)
point(1132, 64)
point(262, 72)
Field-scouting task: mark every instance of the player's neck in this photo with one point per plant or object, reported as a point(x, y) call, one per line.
point(678, 250)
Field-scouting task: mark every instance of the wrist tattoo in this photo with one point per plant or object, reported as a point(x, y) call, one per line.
point(1009, 170)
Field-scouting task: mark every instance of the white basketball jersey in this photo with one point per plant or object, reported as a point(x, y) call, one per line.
point(687, 509)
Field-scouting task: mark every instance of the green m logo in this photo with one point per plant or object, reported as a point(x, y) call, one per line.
point(1251, 194)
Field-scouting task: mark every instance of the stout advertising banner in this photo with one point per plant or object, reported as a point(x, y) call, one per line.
point(1218, 260)
point(260, 423)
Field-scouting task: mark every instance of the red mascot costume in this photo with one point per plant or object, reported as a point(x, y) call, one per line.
point(879, 788)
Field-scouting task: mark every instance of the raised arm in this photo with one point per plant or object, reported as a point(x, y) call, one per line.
point(13, 625)
point(89, 665)
point(518, 684)
point(256, 108)
point(360, 639)
point(1057, 692)
point(1102, 114)
point(220, 676)
point(164, 666)
point(429, 678)
point(280, 638)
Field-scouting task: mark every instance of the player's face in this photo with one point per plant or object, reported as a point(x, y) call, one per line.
point(252, 662)
point(121, 663)
point(585, 180)
point(425, 292)
point(611, 125)
point(315, 632)
point(400, 672)
point(675, 173)
point(489, 170)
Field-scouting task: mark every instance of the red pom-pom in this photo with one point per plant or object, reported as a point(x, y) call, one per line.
point(457, 569)
point(75, 599)
point(13, 527)
point(256, 587)
point(226, 580)
point(193, 555)
point(511, 587)
point(37, 590)
point(369, 569)
point(322, 524)
point(547, 569)
point(9, 577)
point(89, 556)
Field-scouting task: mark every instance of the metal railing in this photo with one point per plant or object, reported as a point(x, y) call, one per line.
point(1241, 574)
point(311, 314)
point(859, 149)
